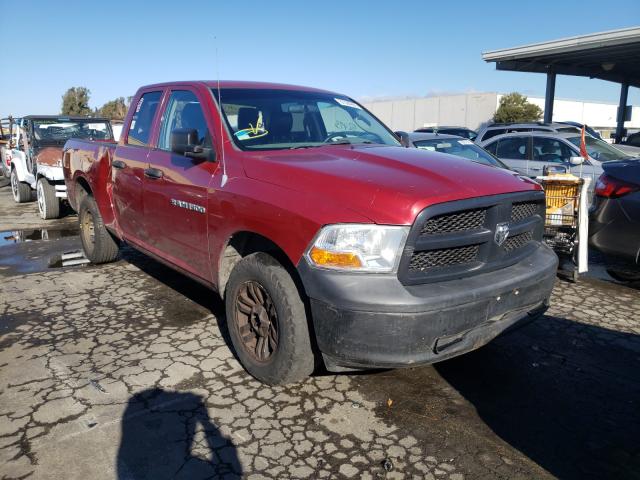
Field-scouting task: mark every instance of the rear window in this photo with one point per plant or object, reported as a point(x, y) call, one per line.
point(568, 130)
point(140, 128)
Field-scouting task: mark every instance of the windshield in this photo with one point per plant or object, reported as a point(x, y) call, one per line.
point(460, 148)
point(59, 130)
point(270, 119)
point(599, 149)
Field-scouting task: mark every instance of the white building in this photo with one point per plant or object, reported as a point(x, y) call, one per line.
point(473, 110)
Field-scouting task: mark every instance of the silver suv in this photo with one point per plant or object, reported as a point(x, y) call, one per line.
point(494, 129)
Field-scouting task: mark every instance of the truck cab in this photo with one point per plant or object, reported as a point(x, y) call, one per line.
point(35, 156)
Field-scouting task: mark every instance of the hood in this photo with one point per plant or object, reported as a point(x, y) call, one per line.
point(388, 185)
point(49, 156)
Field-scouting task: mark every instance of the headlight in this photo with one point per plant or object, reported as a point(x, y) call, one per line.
point(358, 247)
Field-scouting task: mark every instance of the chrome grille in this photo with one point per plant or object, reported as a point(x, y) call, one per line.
point(443, 257)
point(455, 222)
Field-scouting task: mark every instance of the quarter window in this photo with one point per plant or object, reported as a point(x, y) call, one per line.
point(142, 121)
point(183, 112)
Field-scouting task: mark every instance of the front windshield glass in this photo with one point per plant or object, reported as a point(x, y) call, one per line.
point(599, 149)
point(272, 119)
point(460, 148)
point(56, 131)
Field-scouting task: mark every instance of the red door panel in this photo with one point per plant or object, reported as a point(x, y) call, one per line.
point(175, 210)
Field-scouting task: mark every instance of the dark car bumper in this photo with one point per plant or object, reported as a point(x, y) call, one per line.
point(614, 228)
point(369, 321)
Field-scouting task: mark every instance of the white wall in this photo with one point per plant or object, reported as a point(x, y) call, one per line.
point(472, 110)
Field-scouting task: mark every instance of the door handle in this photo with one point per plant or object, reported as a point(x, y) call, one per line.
point(119, 164)
point(153, 173)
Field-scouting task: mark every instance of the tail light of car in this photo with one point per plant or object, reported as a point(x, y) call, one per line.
point(610, 187)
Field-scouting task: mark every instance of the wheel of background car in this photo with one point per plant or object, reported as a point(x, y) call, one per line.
point(98, 244)
point(20, 190)
point(267, 321)
point(623, 276)
point(48, 203)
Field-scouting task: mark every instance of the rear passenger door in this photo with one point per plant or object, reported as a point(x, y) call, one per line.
point(128, 165)
point(175, 187)
point(515, 152)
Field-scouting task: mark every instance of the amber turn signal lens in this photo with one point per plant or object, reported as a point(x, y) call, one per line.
point(324, 258)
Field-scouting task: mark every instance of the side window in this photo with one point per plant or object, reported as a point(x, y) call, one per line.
point(492, 133)
point(183, 112)
point(140, 128)
point(550, 150)
point(491, 148)
point(513, 147)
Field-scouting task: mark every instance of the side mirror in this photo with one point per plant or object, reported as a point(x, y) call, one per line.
point(184, 141)
point(554, 170)
point(576, 160)
point(404, 138)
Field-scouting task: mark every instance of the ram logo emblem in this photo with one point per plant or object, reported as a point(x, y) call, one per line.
point(502, 232)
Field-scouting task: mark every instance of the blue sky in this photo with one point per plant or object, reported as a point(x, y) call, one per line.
point(362, 49)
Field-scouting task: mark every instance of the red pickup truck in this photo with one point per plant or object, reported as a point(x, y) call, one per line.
point(328, 241)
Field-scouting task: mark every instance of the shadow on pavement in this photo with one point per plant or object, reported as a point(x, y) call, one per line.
point(170, 435)
point(565, 394)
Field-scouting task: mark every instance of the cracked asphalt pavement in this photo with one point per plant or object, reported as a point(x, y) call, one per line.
point(124, 371)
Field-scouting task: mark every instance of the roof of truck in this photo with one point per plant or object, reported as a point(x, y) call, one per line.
point(239, 84)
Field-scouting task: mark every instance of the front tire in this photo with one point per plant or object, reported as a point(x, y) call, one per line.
point(48, 203)
point(623, 276)
point(267, 321)
point(20, 190)
point(98, 244)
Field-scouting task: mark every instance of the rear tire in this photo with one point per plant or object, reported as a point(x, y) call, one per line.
point(98, 244)
point(267, 321)
point(48, 203)
point(21, 191)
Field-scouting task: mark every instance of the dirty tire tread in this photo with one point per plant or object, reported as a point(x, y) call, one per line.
point(24, 190)
point(294, 359)
point(105, 248)
point(52, 204)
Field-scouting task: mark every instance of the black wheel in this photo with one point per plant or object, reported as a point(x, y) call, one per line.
point(98, 244)
point(622, 276)
point(48, 203)
point(267, 321)
point(21, 191)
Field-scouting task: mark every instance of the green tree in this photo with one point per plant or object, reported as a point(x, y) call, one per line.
point(75, 101)
point(514, 107)
point(114, 109)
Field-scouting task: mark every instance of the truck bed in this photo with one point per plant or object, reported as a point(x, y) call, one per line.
point(90, 160)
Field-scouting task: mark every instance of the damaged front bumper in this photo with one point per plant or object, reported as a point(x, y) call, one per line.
point(374, 321)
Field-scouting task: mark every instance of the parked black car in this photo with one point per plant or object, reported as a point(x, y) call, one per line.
point(614, 227)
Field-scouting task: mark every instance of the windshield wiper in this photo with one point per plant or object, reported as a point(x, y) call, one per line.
point(304, 146)
point(347, 142)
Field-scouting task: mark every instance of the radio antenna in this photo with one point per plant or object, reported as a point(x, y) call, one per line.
point(221, 118)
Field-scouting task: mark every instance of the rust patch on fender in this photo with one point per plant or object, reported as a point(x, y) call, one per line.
point(50, 156)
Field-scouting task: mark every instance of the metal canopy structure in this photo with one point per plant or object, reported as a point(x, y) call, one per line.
point(612, 56)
